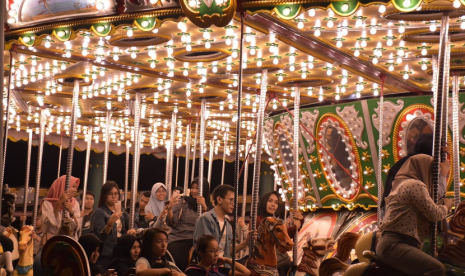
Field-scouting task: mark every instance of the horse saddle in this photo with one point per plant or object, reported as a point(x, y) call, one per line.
point(379, 268)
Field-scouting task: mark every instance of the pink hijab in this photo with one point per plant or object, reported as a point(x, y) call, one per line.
point(58, 188)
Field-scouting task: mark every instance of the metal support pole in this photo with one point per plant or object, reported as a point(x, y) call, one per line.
point(456, 139)
point(440, 131)
point(59, 155)
point(195, 148)
point(170, 154)
point(72, 131)
point(210, 160)
point(203, 113)
point(257, 158)
point(28, 170)
point(107, 146)
point(248, 142)
point(2, 62)
point(39, 167)
point(86, 174)
point(238, 138)
point(295, 180)
point(224, 157)
point(177, 169)
point(379, 175)
point(126, 176)
point(135, 168)
point(188, 152)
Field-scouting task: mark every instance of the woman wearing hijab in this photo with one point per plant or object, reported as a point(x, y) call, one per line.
point(126, 253)
point(409, 212)
point(156, 203)
point(56, 201)
point(181, 217)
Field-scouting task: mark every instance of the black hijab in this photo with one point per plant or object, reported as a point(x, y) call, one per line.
point(89, 243)
point(262, 205)
point(192, 202)
point(123, 247)
point(424, 145)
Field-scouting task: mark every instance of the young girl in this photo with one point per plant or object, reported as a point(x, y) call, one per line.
point(152, 255)
point(207, 251)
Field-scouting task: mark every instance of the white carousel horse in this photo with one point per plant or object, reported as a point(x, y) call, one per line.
point(26, 248)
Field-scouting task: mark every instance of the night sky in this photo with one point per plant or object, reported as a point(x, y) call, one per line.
point(152, 170)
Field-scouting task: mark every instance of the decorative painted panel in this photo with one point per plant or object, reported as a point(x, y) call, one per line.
point(339, 133)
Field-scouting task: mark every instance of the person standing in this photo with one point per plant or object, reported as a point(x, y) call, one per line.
point(181, 217)
point(86, 214)
point(109, 222)
point(215, 223)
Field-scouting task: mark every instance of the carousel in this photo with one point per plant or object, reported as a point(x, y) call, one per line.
point(329, 94)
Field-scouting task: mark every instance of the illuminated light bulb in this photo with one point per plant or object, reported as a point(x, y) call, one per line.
point(130, 33)
point(424, 52)
point(424, 67)
point(329, 72)
point(399, 60)
point(433, 27)
point(152, 64)
point(300, 25)
point(405, 76)
point(339, 44)
point(133, 55)
point(320, 98)
point(375, 60)
point(357, 53)
point(100, 5)
point(462, 25)
point(382, 9)
point(401, 29)
point(207, 45)
point(234, 54)
point(280, 78)
point(115, 57)
point(357, 95)
point(292, 68)
point(275, 61)
point(337, 97)
point(389, 42)
point(304, 75)
point(317, 32)
point(406, 3)
point(259, 63)
point(228, 41)
point(391, 67)
point(363, 43)
point(311, 12)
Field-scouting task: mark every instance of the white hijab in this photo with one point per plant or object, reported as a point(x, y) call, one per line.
point(155, 206)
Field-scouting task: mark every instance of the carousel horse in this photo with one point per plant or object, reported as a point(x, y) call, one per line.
point(314, 251)
point(26, 248)
point(271, 234)
point(8, 209)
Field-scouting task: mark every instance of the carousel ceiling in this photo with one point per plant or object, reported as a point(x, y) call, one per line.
point(174, 64)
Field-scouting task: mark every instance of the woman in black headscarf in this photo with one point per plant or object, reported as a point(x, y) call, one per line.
point(182, 214)
point(93, 247)
point(126, 253)
point(424, 145)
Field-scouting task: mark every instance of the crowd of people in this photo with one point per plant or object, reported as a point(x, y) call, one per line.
point(169, 237)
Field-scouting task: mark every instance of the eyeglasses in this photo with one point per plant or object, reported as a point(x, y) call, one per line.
point(214, 251)
point(231, 200)
point(113, 194)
